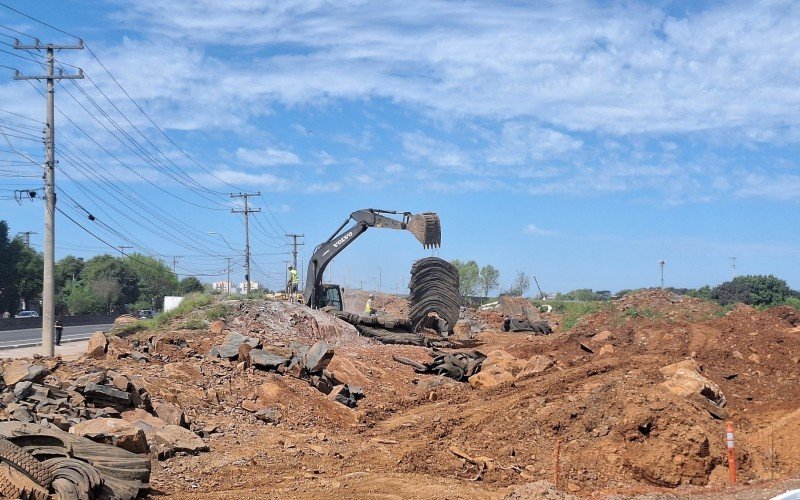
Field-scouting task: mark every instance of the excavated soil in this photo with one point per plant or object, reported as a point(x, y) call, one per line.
point(620, 431)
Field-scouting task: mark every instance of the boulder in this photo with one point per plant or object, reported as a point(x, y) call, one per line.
point(217, 326)
point(89, 378)
point(107, 394)
point(688, 364)
point(179, 439)
point(269, 415)
point(491, 376)
point(537, 364)
point(229, 349)
point(113, 431)
point(266, 360)
point(171, 414)
point(344, 370)
point(688, 383)
point(505, 361)
point(22, 371)
point(318, 357)
point(96, 347)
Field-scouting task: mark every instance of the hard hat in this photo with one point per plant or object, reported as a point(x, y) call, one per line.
point(371, 296)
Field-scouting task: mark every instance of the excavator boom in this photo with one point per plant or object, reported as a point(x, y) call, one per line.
point(426, 227)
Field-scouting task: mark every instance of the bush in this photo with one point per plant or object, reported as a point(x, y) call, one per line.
point(760, 291)
point(216, 312)
point(194, 324)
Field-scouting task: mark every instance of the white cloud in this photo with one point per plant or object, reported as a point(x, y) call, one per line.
point(426, 149)
point(266, 157)
point(536, 230)
point(267, 182)
point(578, 65)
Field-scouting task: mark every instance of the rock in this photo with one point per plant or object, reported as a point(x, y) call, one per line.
point(139, 357)
point(688, 364)
point(179, 439)
point(754, 358)
point(269, 415)
point(89, 378)
point(22, 371)
point(217, 326)
point(318, 357)
point(120, 381)
point(462, 328)
point(171, 414)
point(688, 383)
point(250, 405)
point(113, 431)
point(145, 421)
point(601, 337)
point(344, 370)
point(244, 354)
point(491, 376)
point(229, 349)
point(341, 394)
point(266, 360)
point(537, 364)
point(106, 393)
point(97, 345)
point(606, 349)
point(23, 389)
point(505, 361)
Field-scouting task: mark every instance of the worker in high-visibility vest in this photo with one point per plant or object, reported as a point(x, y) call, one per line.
point(294, 280)
point(368, 309)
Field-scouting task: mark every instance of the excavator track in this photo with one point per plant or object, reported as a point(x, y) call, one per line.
point(435, 298)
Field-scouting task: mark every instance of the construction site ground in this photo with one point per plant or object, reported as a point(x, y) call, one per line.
point(600, 400)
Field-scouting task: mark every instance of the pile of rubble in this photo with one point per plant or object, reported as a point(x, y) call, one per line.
point(305, 362)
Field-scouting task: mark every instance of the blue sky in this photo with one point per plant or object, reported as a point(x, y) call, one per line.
point(579, 141)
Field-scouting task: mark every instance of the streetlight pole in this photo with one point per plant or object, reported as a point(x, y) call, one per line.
point(380, 278)
point(661, 263)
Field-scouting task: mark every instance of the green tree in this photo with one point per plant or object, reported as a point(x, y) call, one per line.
point(488, 279)
point(82, 300)
point(68, 269)
point(155, 280)
point(9, 294)
point(188, 285)
point(758, 290)
point(521, 284)
point(102, 267)
point(468, 276)
point(30, 274)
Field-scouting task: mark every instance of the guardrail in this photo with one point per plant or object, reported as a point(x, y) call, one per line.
point(88, 319)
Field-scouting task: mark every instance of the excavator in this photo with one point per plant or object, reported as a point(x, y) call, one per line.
point(426, 227)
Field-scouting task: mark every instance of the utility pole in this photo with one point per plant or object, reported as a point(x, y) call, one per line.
point(122, 249)
point(247, 211)
point(661, 263)
point(49, 288)
point(295, 244)
point(228, 283)
point(175, 264)
point(26, 237)
point(733, 267)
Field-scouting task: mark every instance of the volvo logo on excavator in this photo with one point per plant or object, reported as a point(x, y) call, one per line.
point(343, 239)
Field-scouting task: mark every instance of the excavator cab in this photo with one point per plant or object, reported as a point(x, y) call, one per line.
point(330, 295)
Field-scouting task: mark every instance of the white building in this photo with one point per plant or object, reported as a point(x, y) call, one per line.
point(224, 287)
point(254, 285)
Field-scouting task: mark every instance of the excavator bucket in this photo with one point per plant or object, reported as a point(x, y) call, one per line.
point(427, 228)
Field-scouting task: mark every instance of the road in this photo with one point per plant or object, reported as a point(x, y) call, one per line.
point(33, 336)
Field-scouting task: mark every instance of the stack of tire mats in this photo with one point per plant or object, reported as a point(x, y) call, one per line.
point(434, 289)
point(37, 462)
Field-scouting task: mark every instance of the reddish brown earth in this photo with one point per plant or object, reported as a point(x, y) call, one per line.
point(620, 431)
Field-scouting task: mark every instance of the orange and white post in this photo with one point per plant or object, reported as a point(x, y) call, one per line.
point(731, 451)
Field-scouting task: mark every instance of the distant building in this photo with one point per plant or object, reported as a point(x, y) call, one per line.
point(224, 287)
point(254, 285)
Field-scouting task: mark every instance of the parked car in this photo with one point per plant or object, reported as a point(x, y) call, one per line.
point(145, 314)
point(27, 314)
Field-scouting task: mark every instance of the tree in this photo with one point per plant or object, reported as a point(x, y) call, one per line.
point(107, 289)
point(105, 266)
point(468, 277)
point(68, 269)
point(521, 284)
point(188, 285)
point(488, 279)
point(756, 290)
point(30, 274)
point(81, 300)
point(155, 280)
